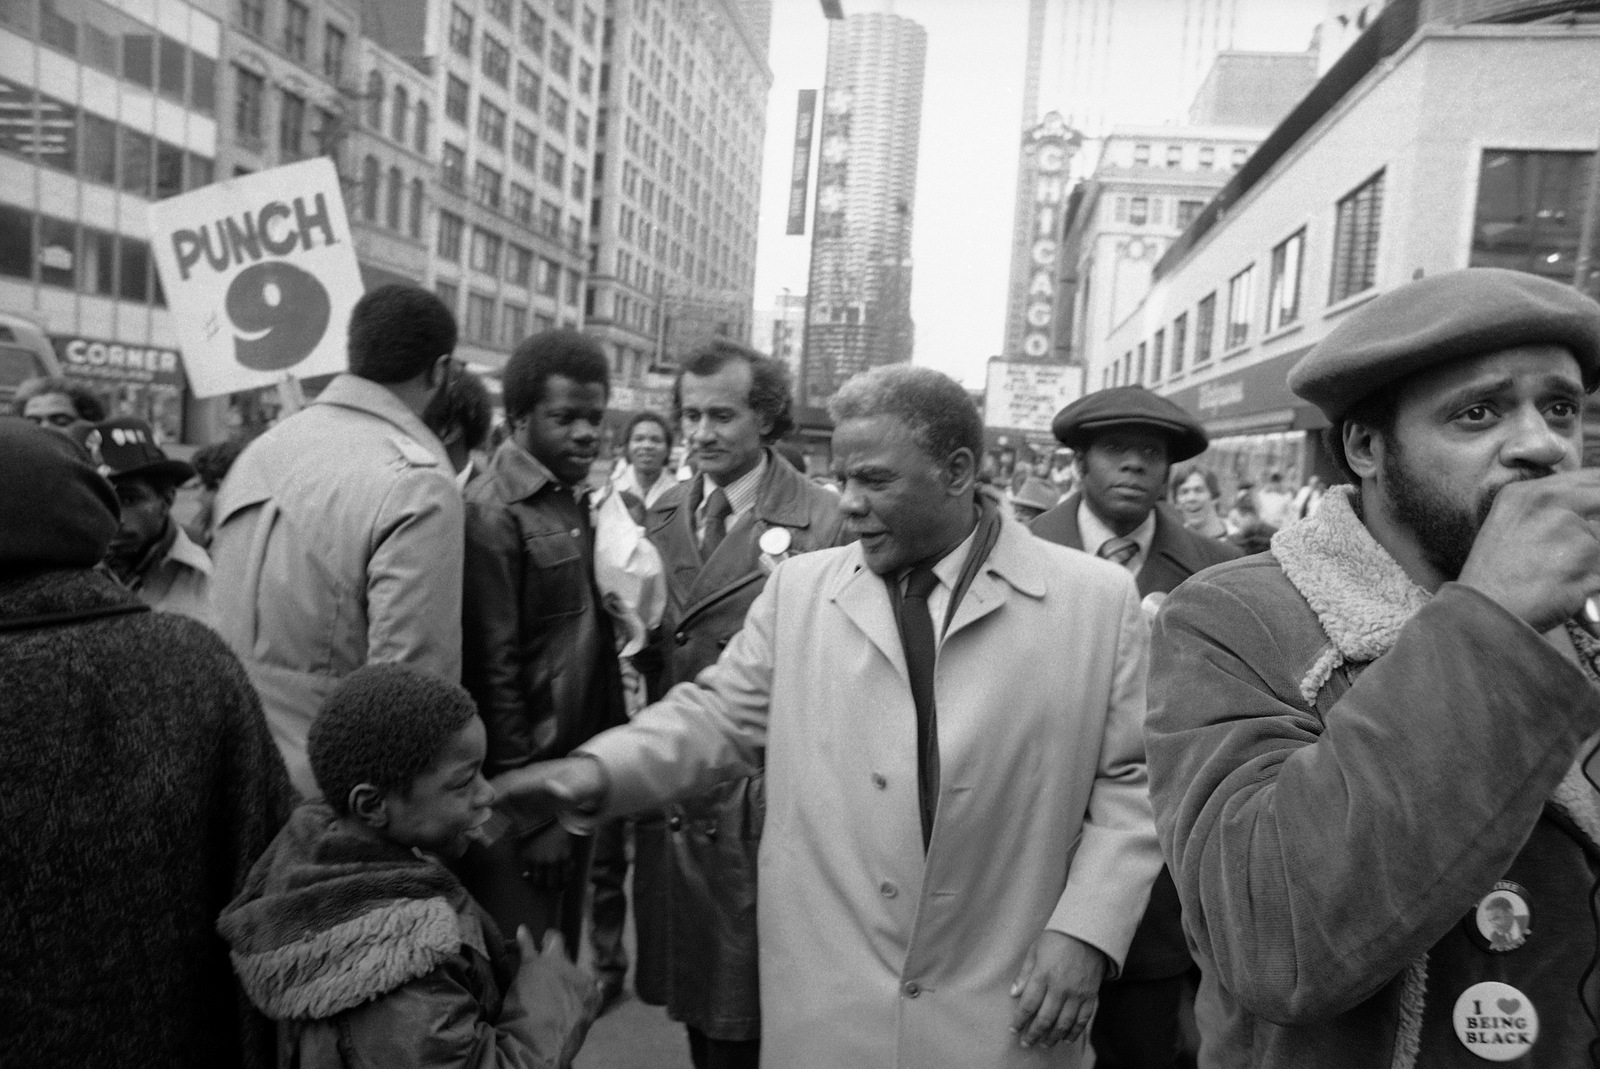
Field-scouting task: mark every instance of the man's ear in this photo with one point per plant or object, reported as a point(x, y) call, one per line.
point(1363, 449)
point(960, 471)
point(369, 805)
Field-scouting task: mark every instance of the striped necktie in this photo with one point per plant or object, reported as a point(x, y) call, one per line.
point(1118, 550)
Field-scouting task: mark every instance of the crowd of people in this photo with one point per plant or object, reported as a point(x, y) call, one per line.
point(924, 767)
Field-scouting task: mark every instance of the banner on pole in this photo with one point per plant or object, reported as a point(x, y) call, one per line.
point(260, 274)
point(800, 170)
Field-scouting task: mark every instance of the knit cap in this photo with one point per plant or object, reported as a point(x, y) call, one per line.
point(56, 511)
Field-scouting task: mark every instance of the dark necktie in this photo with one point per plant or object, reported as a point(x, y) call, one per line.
point(717, 510)
point(1119, 550)
point(921, 649)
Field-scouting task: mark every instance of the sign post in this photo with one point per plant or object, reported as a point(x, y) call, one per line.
point(260, 273)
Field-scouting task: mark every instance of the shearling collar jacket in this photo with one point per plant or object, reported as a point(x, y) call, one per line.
point(1345, 770)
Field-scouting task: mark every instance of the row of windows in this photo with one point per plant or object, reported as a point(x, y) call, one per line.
point(296, 137)
point(1357, 219)
point(495, 56)
point(1153, 211)
point(293, 33)
point(78, 142)
point(391, 190)
point(1174, 156)
point(489, 252)
point(108, 40)
point(491, 126)
point(403, 119)
point(483, 325)
point(59, 252)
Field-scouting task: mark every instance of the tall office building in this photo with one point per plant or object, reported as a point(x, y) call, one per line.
point(518, 83)
point(103, 109)
point(860, 284)
point(677, 184)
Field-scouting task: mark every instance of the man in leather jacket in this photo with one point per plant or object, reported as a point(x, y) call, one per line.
point(538, 654)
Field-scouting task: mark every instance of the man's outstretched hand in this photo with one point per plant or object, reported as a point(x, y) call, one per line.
point(547, 789)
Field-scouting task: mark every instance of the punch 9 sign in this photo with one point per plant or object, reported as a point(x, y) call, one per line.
point(260, 273)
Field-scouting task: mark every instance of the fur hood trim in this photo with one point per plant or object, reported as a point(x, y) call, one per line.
point(329, 919)
point(333, 970)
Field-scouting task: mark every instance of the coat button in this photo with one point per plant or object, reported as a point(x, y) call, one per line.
point(681, 638)
point(913, 989)
point(880, 781)
point(888, 890)
point(576, 533)
point(674, 823)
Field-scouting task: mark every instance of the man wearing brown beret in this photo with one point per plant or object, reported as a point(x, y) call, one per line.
point(1126, 440)
point(1369, 749)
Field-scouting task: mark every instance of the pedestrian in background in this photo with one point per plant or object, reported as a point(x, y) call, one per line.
point(1195, 492)
point(540, 657)
point(461, 419)
point(57, 403)
point(959, 843)
point(1126, 440)
point(212, 464)
point(339, 531)
point(647, 444)
point(1368, 749)
point(138, 784)
point(720, 536)
point(151, 554)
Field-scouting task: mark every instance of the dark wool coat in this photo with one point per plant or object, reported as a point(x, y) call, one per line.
point(701, 867)
point(1175, 554)
point(138, 783)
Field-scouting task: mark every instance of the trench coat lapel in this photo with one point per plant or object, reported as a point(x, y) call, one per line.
point(1005, 570)
point(864, 600)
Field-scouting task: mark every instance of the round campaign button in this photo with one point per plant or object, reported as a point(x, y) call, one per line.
point(1502, 920)
point(775, 541)
point(1496, 1022)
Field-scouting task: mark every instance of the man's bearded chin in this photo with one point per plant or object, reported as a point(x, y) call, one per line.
point(1445, 527)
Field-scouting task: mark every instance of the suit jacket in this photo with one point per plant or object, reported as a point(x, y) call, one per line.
point(1176, 553)
point(706, 867)
point(872, 951)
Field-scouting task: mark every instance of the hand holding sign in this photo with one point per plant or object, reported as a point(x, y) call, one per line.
point(261, 274)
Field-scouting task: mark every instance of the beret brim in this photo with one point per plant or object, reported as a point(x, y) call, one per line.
point(1130, 408)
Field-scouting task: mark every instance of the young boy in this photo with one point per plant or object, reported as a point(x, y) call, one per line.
point(353, 935)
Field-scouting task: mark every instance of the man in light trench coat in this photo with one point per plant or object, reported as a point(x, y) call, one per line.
point(958, 843)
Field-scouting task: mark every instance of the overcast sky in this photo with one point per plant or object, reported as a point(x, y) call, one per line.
point(967, 165)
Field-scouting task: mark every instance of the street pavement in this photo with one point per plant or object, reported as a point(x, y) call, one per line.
point(632, 1035)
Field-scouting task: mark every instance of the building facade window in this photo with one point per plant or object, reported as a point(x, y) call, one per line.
point(394, 199)
point(460, 34)
point(555, 111)
point(451, 226)
point(1141, 155)
point(480, 317)
point(1240, 154)
point(1283, 298)
point(419, 129)
point(513, 322)
point(520, 204)
point(1139, 211)
point(1208, 157)
point(491, 124)
point(1158, 355)
point(1357, 221)
point(1241, 300)
point(486, 186)
point(500, 10)
point(1180, 331)
point(449, 293)
point(525, 147)
point(291, 125)
point(398, 110)
point(519, 264)
point(296, 29)
point(333, 45)
point(560, 57)
point(456, 95)
point(496, 63)
point(1529, 215)
point(1174, 155)
point(1188, 212)
point(253, 17)
point(375, 102)
point(555, 165)
point(249, 89)
point(549, 277)
point(527, 88)
point(453, 168)
point(369, 189)
point(530, 27)
point(1205, 324)
point(418, 199)
point(484, 254)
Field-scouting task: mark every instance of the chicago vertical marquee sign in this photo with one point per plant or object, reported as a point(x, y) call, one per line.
point(1051, 145)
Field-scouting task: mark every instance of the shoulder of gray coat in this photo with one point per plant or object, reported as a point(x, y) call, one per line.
point(412, 452)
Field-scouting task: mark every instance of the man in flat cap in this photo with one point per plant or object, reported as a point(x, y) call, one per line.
point(1360, 741)
point(150, 553)
point(1126, 440)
